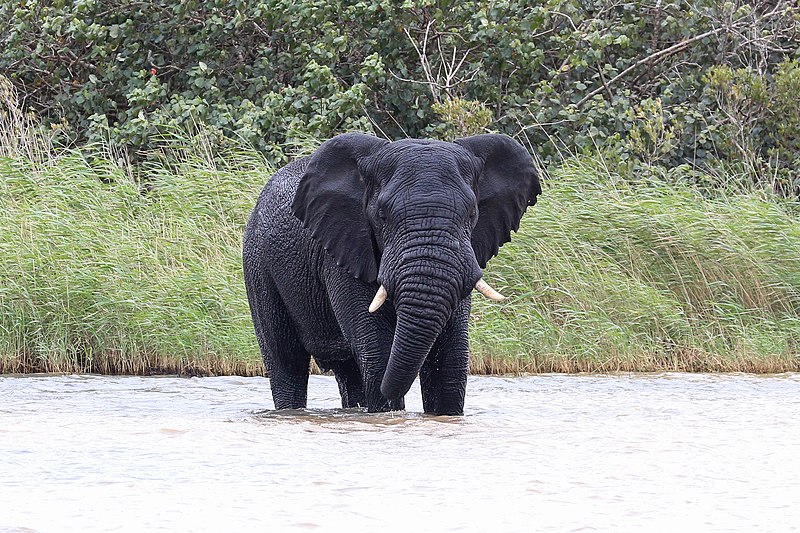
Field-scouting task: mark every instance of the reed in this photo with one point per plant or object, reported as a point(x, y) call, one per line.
point(110, 268)
point(102, 270)
point(610, 274)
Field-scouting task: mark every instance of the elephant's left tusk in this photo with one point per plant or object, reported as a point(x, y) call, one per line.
point(487, 290)
point(377, 302)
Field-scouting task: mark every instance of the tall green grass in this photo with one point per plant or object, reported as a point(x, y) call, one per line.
point(107, 269)
point(611, 273)
point(101, 271)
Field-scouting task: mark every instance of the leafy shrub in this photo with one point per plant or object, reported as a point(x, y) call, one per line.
point(559, 74)
point(651, 137)
point(760, 118)
point(461, 118)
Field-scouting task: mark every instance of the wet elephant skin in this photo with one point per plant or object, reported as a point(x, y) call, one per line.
point(419, 218)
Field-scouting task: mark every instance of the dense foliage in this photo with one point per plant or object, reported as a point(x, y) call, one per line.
point(648, 78)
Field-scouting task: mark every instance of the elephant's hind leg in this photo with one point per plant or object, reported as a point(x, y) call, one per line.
point(285, 358)
point(351, 386)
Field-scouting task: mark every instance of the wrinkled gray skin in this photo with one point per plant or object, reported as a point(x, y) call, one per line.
point(419, 217)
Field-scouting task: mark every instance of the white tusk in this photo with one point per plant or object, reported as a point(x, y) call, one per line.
point(377, 302)
point(486, 289)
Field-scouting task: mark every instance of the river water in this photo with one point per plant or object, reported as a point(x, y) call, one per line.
point(546, 453)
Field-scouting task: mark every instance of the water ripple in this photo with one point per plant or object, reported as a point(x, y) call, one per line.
point(546, 453)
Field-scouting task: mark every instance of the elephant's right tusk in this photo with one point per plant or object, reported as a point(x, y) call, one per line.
point(487, 290)
point(377, 302)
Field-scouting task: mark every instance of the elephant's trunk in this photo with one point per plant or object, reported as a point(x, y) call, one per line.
point(423, 305)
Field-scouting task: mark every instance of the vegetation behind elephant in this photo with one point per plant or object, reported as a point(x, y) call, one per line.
point(363, 221)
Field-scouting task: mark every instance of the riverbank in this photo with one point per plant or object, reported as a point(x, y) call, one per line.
point(110, 269)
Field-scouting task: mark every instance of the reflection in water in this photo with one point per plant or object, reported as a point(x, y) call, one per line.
point(544, 453)
point(340, 416)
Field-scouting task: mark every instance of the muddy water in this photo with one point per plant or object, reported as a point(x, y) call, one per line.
point(546, 453)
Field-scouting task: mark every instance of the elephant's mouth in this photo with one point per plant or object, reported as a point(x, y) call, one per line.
point(481, 286)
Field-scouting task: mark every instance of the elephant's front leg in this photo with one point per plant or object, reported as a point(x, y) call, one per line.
point(443, 377)
point(373, 367)
point(370, 334)
point(372, 342)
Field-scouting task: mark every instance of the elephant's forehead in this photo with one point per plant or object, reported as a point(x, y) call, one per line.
point(426, 159)
point(438, 179)
point(421, 143)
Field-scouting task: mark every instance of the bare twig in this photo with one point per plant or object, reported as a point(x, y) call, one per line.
point(605, 83)
point(656, 35)
point(450, 64)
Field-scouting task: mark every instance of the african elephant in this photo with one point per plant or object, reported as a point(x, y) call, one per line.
point(362, 221)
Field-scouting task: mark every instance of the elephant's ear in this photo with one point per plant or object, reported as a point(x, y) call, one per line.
point(508, 184)
point(330, 202)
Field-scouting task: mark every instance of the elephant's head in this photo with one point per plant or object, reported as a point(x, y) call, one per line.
point(421, 218)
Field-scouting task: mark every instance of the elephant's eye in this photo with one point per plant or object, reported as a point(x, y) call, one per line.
point(381, 214)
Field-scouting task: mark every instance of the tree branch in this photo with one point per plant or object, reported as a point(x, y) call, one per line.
point(655, 58)
point(675, 48)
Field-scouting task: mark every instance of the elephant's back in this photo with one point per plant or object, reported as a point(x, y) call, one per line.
point(279, 191)
point(276, 246)
point(271, 223)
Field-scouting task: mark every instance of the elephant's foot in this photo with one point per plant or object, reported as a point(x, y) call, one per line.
point(443, 394)
point(289, 391)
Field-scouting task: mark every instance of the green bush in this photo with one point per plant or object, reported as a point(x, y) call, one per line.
point(562, 75)
point(760, 118)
